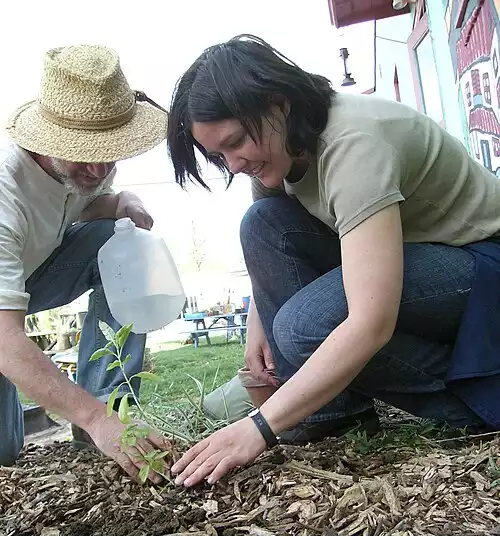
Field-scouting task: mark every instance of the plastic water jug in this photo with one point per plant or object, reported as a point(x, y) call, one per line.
point(140, 278)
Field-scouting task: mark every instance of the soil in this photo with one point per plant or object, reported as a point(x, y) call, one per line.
point(331, 489)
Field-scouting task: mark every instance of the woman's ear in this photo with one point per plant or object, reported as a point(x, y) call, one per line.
point(281, 102)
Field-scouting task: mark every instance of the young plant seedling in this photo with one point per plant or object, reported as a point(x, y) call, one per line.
point(153, 460)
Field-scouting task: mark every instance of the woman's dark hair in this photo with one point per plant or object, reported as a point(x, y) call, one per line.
point(242, 79)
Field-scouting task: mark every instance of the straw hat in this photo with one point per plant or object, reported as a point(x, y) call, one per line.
point(86, 111)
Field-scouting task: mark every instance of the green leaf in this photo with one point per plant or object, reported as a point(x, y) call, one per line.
point(143, 474)
point(147, 376)
point(108, 333)
point(128, 441)
point(158, 466)
point(113, 365)
point(122, 335)
point(99, 353)
point(111, 401)
point(128, 357)
point(150, 456)
point(129, 436)
point(131, 441)
point(123, 410)
point(142, 431)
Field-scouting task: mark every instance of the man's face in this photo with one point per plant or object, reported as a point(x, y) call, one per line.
point(80, 178)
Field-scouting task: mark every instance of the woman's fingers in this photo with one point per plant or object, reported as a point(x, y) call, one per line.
point(180, 466)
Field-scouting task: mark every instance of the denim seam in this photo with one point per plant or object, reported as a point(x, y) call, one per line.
point(410, 365)
point(66, 266)
point(437, 295)
point(285, 240)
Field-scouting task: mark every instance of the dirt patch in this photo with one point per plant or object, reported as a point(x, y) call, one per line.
point(329, 489)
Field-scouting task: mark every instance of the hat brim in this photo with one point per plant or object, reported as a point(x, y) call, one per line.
point(34, 133)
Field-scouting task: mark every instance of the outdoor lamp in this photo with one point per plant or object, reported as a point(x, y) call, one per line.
point(348, 79)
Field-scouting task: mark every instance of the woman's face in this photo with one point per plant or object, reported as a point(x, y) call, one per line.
point(265, 159)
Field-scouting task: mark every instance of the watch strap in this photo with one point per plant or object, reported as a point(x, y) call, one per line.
point(264, 428)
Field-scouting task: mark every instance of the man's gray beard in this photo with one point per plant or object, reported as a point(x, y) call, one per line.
point(76, 189)
point(70, 183)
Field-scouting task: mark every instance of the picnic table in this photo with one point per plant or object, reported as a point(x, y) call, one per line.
point(203, 325)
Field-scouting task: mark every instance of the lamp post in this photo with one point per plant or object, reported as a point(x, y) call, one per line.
point(348, 79)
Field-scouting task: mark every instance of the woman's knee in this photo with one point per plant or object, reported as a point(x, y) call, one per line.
point(269, 215)
point(307, 318)
point(254, 220)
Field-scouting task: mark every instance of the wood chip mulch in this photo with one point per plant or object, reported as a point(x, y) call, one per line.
point(327, 489)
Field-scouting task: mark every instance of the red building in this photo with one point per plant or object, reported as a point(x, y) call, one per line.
point(347, 12)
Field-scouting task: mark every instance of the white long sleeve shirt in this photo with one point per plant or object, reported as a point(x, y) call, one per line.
point(35, 211)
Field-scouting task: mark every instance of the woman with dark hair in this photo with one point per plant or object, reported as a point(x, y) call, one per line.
point(373, 247)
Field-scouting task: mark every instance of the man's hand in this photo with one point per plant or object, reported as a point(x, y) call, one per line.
point(258, 355)
point(25, 365)
point(107, 435)
point(116, 206)
point(130, 206)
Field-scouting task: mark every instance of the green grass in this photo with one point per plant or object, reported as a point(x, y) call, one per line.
point(212, 365)
point(174, 403)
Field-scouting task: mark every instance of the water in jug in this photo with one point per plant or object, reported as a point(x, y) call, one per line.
point(140, 278)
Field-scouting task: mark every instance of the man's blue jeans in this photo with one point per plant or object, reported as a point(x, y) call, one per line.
point(68, 273)
point(294, 263)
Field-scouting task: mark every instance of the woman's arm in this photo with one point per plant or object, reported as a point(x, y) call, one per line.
point(372, 264)
point(372, 267)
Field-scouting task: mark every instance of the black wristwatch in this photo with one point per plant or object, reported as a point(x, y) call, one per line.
point(264, 428)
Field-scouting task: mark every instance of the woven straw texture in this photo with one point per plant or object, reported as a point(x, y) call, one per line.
point(86, 111)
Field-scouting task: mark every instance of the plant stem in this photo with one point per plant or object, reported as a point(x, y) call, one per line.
point(129, 384)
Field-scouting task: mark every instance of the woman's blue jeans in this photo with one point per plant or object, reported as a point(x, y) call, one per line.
point(294, 263)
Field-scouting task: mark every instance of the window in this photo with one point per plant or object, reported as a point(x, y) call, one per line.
point(477, 94)
point(468, 95)
point(496, 146)
point(476, 84)
point(423, 67)
point(486, 88)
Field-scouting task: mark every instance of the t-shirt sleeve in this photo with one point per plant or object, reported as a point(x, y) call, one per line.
point(361, 175)
point(259, 191)
point(13, 295)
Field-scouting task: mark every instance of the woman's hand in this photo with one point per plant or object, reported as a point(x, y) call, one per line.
point(258, 356)
point(233, 446)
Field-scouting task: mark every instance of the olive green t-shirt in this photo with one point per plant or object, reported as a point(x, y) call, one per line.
point(374, 153)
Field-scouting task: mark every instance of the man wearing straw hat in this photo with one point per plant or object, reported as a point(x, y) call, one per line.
point(56, 171)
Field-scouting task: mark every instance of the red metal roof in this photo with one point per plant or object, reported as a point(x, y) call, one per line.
point(485, 120)
point(476, 38)
point(347, 12)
